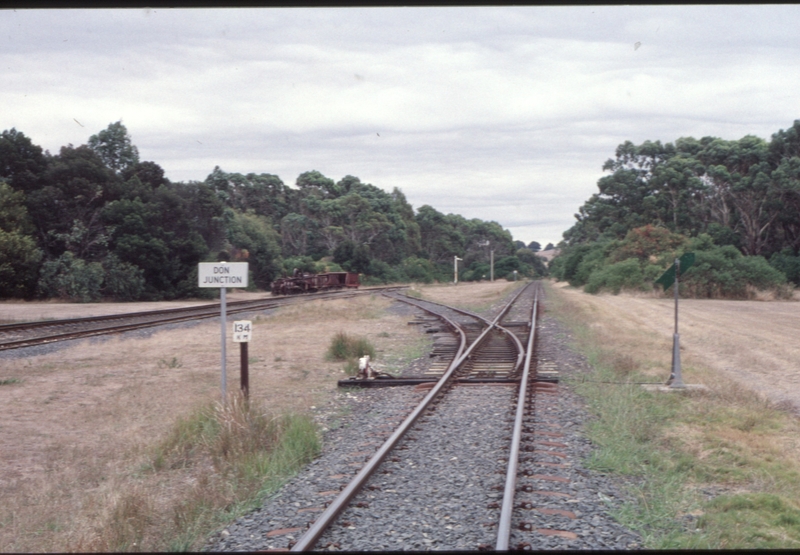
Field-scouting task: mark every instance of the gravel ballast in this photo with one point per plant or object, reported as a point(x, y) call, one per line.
point(442, 488)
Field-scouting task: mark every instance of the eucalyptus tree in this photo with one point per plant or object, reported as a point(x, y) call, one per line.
point(114, 147)
point(66, 210)
point(19, 255)
point(743, 182)
point(22, 163)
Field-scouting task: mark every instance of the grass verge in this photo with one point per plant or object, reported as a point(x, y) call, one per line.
point(234, 455)
point(710, 470)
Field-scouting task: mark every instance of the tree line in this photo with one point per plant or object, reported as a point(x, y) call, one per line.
point(736, 202)
point(94, 222)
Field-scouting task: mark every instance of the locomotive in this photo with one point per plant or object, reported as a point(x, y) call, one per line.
point(301, 282)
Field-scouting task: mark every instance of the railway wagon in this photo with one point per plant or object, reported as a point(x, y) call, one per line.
point(302, 282)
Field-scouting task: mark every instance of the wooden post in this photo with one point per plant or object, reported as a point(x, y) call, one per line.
point(245, 369)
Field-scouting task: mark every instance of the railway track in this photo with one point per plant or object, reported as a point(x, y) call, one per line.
point(29, 334)
point(482, 459)
point(488, 354)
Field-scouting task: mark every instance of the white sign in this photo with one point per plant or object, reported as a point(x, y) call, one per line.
point(242, 331)
point(222, 274)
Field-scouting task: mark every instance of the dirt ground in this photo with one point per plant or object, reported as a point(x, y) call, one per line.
point(77, 424)
point(754, 342)
point(14, 311)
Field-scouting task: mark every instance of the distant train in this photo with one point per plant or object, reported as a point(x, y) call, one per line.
point(301, 282)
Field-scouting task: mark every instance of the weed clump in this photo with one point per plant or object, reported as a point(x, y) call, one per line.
point(346, 347)
point(240, 452)
point(349, 349)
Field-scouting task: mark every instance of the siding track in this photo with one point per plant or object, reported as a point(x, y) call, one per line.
point(29, 334)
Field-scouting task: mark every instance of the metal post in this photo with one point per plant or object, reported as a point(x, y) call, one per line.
point(245, 373)
point(675, 379)
point(223, 318)
point(455, 269)
point(677, 275)
point(492, 264)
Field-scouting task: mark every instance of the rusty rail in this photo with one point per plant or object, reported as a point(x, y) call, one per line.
point(310, 537)
point(307, 541)
point(159, 317)
point(504, 526)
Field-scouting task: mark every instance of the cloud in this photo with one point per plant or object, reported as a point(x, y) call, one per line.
point(504, 114)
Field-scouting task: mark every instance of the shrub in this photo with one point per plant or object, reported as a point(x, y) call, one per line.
point(646, 242)
point(71, 278)
point(19, 263)
point(788, 263)
point(384, 273)
point(123, 281)
point(302, 263)
point(418, 269)
point(532, 264)
point(591, 261)
point(476, 272)
point(344, 347)
point(724, 272)
point(622, 275)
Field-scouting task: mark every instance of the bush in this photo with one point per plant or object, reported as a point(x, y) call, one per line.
point(622, 275)
point(476, 272)
point(19, 264)
point(591, 261)
point(71, 278)
point(381, 271)
point(506, 265)
point(534, 265)
point(302, 263)
point(576, 263)
point(347, 347)
point(123, 281)
point(787, 262)
point(647, 243)
point(725, 273)
point(418, 269)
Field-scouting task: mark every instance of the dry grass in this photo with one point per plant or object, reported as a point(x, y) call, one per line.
point(475, 296)
point(739, 438)
point(79, 426)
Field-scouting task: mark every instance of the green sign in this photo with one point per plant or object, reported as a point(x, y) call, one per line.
point(668, 278)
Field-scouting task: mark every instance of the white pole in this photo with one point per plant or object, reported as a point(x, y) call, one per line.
point(492, 264)
point(455, 269)
point(223, 317)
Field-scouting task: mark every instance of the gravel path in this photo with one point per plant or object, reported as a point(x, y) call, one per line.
point(442, 489)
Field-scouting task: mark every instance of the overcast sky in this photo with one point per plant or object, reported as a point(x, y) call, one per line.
point(503, 114)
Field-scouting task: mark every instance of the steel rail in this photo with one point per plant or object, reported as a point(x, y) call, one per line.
point(181, 315)
point(494, 323)
point(208, 306)
point(307, 540)
point(504, 526)
point(89, 319)
point(121, 328)
point(310, 537)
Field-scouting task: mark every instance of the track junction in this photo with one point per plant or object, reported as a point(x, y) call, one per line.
point(473, 457)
